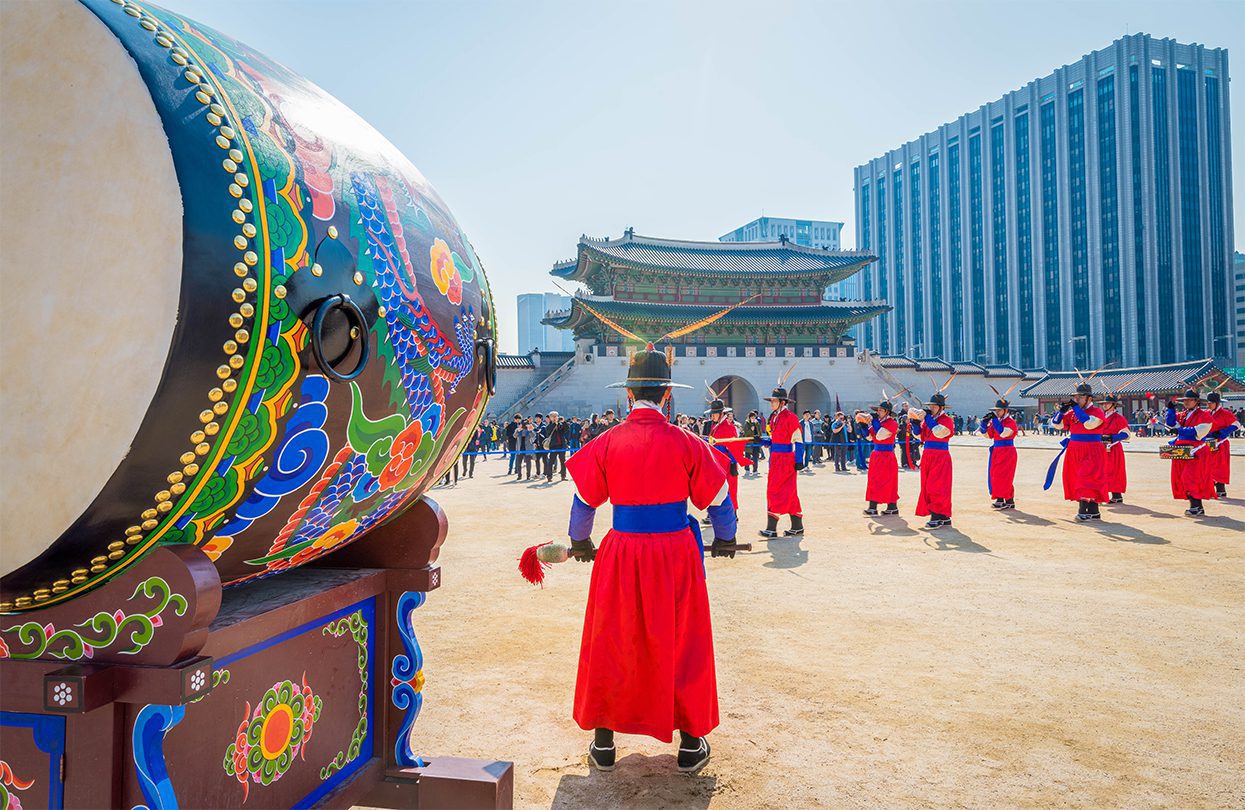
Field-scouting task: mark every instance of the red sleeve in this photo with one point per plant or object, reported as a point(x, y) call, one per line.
point(587, 469)
point(707, 476)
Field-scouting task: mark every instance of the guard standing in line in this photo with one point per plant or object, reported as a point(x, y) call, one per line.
point(1084, 470)
point(1223, 425)
point(1001, 428)
point(882, 485)
point(786, 459)
point(1191, 477)
point(1114, 431)
point(936, 430)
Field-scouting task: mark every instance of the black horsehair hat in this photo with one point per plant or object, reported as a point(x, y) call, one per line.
point(780, 390)
point(938, 397)
point(716, 403)
point(650, 368)
point(1002, 401)
point(1192, 393)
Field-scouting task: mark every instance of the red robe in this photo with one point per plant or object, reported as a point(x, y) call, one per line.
point(1117, 472)
point(935, 470)
point(726, 430)
point(781, 497)
point(1001, 467)
point(1220, 459)
point(882, 485)
point(646, 657)
point(1191, 478)
point(1084, 465)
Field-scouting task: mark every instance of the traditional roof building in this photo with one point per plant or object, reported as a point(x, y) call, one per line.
point(1146, 387)
point(651, 286)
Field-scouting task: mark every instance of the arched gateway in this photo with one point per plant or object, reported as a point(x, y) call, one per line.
point(737, 393)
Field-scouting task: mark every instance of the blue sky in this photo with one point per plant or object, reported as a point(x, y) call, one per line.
point(539, 121)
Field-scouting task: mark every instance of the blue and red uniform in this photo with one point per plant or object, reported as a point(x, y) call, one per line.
point(935, 498)
point(1191, 478)
point(785, 452)
point(1114, 431)
point(1001, 467)
point(882, 485)
point(730, 455)
point(1084, 468)
point(646, 656)
point(1223, 425)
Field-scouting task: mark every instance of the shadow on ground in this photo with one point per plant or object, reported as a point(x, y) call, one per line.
point(785, 552)
point(952, 539)
point(638, 781)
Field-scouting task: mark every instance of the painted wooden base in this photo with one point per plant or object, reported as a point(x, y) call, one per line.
point(298, 690)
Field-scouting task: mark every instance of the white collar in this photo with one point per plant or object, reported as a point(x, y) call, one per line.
point(644, 403)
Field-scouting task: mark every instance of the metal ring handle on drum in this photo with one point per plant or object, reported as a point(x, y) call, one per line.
point(357, 321)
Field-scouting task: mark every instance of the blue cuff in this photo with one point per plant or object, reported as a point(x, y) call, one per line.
point(1169, 418)
point(876, 424)
point(998, 425)
point(1119, 437)
point(799, 452)
point(724, 520)
point(582, 517)
point(984, 427)
point(1081, 415)
point(930, 422)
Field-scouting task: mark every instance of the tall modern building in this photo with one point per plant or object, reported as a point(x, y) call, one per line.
point(1083, 219)
point(533, 308)
point(1238, 270)
point(816, 233)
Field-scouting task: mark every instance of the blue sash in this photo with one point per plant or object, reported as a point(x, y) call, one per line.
point(1004, 443)
point(782, 448)
point(884, 448)
point(658, 518)
point(1063, 448)
point(933, 445)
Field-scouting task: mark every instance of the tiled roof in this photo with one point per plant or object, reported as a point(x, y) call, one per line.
point(932, 364)
point(1130, 381)
point(965, 367)
point(1003, 370)
point(515, 361)
point(896, 361)
point(749, 259)
point(840, 313)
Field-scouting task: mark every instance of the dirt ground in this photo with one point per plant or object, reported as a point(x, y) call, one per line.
point(1019, 659)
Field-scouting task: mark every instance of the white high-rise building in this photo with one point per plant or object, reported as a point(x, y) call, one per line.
point(535, 335)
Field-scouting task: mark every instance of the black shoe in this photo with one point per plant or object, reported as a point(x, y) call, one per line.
point(1195, 511)
point(937, 523)
point(892, 510)
point(1008, 504)
point(797, 527)
point(771, 527)
point(997, 503)
point(767, 534)
point(1084, 516)
point(693, 759)
point(793, 533)
point(871, 512)
point(1116, 497)
point(1221, 490)
point(602, 758)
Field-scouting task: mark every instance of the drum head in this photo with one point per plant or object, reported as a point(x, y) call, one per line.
point(91, 270)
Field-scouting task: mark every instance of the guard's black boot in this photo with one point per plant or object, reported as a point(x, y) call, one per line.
point(797, 527)
point(872, 511)
point(1082, 513)
point(937, 521)
point(891, 509)
point(1009, 503)
point(693, 752)
point(998, 504)
point(601, 753)
point(771, 527)
point(1116, 497)
point(1195, 508)
point(1094, 514)
point(1221, 490)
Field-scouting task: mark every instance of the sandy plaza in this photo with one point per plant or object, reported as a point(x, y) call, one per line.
point(1018, 659)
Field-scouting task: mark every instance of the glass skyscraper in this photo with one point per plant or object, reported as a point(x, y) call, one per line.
point(1083, 219)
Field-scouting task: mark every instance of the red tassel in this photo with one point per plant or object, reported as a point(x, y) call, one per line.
point(531, 568)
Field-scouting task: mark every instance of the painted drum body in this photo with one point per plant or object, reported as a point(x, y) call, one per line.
point(184, 223)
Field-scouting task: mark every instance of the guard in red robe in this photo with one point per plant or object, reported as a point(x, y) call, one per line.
point(1191, 477)
point(1223, 425)
point(786, 458)
point(1001, 429)
point(724, 435)
point(1114, 431)
point(936, 429)
point(1084, 469)
point(882, 485)
point(646, 658)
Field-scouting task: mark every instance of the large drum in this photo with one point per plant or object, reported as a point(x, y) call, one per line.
point(236, 316)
